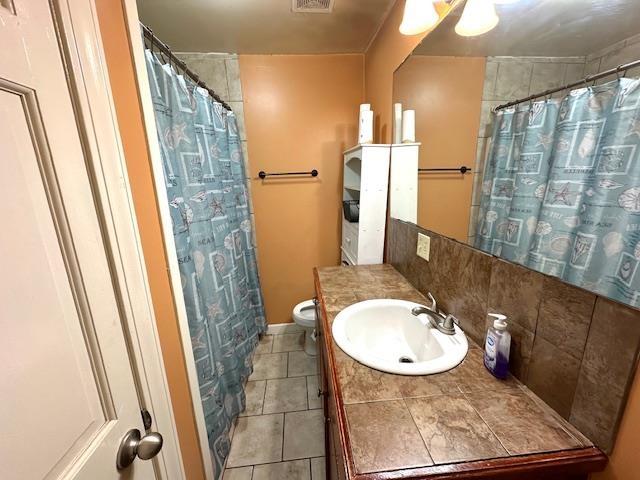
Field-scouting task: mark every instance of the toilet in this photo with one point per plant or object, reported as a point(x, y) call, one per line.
point(304, 314)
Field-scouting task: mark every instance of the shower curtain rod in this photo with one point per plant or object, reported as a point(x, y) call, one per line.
point(164, 48)
point(617, 70)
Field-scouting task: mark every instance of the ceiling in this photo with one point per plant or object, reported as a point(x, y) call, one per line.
point(555, 28)
point(263, 26)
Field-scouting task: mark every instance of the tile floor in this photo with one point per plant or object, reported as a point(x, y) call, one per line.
point(280, 434)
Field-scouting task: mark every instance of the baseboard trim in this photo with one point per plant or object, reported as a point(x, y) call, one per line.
point(280, 328)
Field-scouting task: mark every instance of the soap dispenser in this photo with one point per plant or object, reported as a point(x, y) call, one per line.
point(497, 347)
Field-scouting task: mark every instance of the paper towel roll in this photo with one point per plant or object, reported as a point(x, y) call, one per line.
point(409, 126)
point(365, 132)
point(397, 123)
point(365, 107)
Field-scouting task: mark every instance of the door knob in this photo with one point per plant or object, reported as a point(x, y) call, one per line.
point(133, 445)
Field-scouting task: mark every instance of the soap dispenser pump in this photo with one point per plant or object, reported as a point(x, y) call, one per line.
point(497, 347)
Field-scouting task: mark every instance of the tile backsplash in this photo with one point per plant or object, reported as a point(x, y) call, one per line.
point(576, 350)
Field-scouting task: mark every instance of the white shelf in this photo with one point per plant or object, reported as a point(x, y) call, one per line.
point(366, 145)
point(366, 180)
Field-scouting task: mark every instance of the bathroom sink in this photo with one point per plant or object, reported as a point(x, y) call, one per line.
point(385, 335)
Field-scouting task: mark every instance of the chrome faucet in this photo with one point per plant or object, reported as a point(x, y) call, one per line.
point(441, 322)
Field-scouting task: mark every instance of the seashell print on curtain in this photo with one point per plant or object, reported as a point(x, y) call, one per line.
point(561, 192)
point(208, 200)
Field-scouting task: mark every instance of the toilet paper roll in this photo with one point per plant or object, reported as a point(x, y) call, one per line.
point(397, 123)
point(365, 107)
point(365, 133)
point(409, 126)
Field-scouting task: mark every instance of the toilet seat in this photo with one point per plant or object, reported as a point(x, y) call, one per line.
point(304, 314)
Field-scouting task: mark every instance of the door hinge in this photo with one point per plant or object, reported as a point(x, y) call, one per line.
point(146, 418)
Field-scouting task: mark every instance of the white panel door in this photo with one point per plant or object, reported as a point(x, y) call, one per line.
point(67, 389)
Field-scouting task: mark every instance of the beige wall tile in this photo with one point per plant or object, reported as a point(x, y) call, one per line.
point(238, 109)
point(486, 116)
point(514, 79)
point(546, 76)
point(233, 79)
point(592, 67)
point(621, 55)
point(210, 68)
point(481, 154)
point(574, 72)
point(473, 221)
point(490, 76)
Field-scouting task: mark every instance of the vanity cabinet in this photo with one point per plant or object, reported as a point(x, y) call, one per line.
point(334, 458)
point(349, 444)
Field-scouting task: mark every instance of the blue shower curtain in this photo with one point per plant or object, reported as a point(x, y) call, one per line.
point(561, 192)
point(208, 200)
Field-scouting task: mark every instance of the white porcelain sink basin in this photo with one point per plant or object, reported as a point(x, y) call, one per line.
point(383, 334)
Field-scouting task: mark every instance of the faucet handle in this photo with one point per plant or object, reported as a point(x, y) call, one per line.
point(433, 301)
point(449, 321)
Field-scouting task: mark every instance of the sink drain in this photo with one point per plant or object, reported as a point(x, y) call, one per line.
point(405, 360)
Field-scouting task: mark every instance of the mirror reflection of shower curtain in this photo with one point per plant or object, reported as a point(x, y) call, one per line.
point(561, 192)
point(208, 200)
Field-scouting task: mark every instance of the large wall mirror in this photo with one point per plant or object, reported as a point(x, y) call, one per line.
point(554, 181)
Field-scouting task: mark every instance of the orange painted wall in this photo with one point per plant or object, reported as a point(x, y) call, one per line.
point(125, 94)
point(385, 54)
point(301, 113)
point(446, 93)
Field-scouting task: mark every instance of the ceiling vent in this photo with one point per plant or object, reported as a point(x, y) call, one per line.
point(312, 6)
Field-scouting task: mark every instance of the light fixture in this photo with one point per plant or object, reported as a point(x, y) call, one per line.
point(478, 17)
point(419, 16)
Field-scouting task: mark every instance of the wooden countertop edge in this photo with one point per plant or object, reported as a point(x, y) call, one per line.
point(575, 461)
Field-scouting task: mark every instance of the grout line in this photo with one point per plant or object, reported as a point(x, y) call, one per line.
point(287, 362)
point(264, 397)
point(466, 397)
point(415, 424)
point(584, 351)
point(284, 419)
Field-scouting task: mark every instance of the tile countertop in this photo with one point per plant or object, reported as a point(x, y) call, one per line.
point(401, 422)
